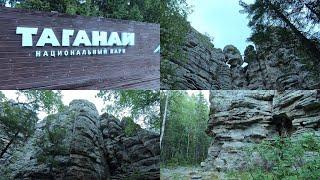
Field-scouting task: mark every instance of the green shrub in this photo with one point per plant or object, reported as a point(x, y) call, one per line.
point(284, 158)
point(52, 145)
point(130, 128)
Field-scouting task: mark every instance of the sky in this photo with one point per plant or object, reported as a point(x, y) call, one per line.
point(222, 20)
point(206, 93)
point(67, 97)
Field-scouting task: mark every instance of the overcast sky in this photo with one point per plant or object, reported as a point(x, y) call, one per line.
point(222, 20)
point(69, 95)
point(206, 93)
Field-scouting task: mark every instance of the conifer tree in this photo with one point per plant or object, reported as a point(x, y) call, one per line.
point(301, 17)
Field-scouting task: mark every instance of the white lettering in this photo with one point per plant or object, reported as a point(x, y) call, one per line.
point(127, 39)
point(26, 35)
point(82, 38)
point(45, 53)
point(99, 38)
point(84, 52)
point(38, 53)
point(66, 37)
point(66, 52)
point(48, 37)
point(114, 39)
point(53, 54)
point(59, 53)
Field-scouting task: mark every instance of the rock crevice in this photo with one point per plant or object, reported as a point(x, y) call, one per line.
point(95, 147)
point(242, 118)
point(276, 65)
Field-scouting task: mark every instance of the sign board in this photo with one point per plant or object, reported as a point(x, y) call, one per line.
point(59, 51)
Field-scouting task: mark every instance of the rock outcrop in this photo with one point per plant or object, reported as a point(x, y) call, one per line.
point(9, 141)
point(203, 68)
point(131, 151)
point(88, 146)
point(242, 118)
point(273, 64)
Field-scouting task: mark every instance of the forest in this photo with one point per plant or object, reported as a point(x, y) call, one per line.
point(184, 118)
point(264, 134)
point(298, 20)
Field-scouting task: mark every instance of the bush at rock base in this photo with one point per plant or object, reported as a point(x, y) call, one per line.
point(284, 158)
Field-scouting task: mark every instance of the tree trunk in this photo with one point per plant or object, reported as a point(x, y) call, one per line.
point(310, 46)
point(8, 145)
point(188, 143)
point(164, 120)
point(51, 171)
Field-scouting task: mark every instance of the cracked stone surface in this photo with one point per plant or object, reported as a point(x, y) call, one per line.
point(242, 118)
point(97, 148)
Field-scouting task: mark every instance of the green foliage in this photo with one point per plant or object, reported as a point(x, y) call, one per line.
point(284, 158)
point(250, 54)
point(135, 175)
point(144, 10)
point(298, 21)
point(51, 144)
point(2, 96)
point(266, 34)
point(21, 117)
point(38, 5)
point(185, 141)
point(174, 28)
point(46, 100)
point(139, 103)
point(130, 128)
point(17, 121)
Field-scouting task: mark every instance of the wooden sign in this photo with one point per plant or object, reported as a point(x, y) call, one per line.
point(58, 51)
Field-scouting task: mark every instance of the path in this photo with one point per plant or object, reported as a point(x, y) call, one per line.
point(188, 173)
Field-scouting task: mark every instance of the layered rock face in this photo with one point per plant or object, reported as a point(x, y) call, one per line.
point(203, 68)
point(133, 153)
point(88, 152)
point(271, 65)
point(242, 118)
